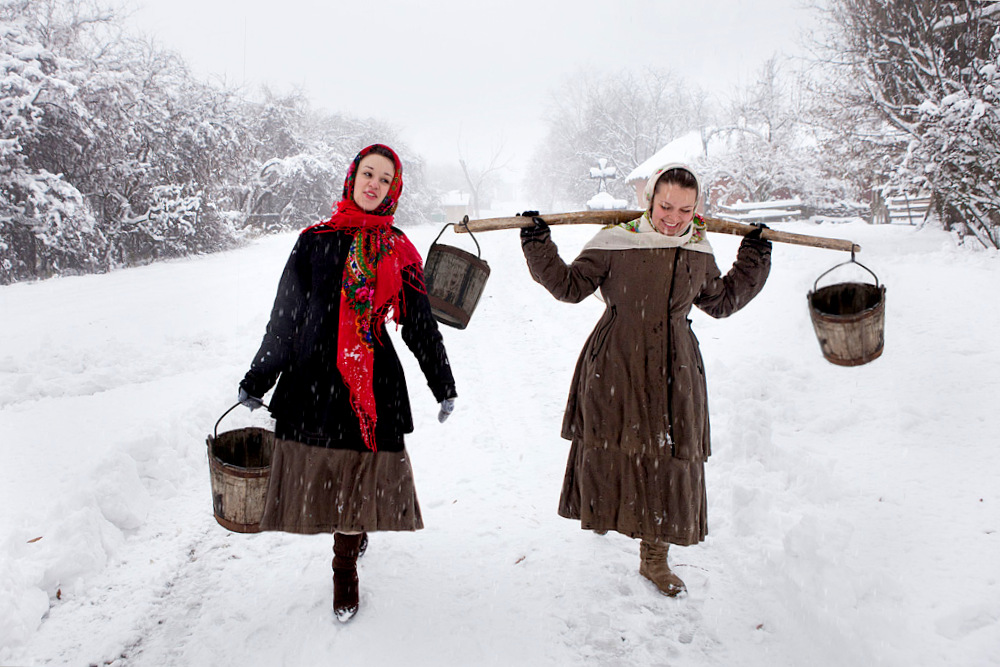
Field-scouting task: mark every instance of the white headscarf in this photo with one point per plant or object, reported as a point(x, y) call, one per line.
point(651, 181)
point(640, 233)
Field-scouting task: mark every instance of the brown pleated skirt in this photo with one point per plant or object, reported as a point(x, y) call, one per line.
point(319, 490)
point(653, 497)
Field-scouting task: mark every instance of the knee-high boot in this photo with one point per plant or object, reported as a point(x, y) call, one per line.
point(653, 566)
point(345, 575)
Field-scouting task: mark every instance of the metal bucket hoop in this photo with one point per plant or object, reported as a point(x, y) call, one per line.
point(455, 280)
point(852, 260)
point(849, 318)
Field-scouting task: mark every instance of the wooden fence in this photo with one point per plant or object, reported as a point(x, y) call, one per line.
point(775, 210)
point(905, 209)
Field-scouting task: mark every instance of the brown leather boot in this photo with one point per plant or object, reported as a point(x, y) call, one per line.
point(345, 575)
point(653, 566)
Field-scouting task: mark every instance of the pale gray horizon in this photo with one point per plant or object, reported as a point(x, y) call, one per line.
point(461, 79)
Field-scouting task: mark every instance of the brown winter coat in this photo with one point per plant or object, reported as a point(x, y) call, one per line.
point(637, 412)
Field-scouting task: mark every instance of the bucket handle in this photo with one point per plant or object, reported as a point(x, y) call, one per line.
point(235, 405)
point(464, 224)
point(852, 260)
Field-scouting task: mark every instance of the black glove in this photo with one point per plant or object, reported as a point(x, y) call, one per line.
point(538, 232)
point(248, 400)
point(755, 241)
point(758, 229)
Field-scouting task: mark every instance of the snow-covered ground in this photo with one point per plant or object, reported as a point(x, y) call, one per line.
point(854, 513)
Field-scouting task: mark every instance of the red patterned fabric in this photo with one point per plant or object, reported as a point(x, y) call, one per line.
point(388, 205)
point(371, 288)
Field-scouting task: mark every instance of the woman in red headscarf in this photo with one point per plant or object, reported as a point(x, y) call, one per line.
point(340, 406)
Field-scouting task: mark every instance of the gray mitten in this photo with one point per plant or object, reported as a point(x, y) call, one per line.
point(248, 400)
point(447, 407)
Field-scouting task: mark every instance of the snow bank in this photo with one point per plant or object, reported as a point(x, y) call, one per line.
point(854, 514)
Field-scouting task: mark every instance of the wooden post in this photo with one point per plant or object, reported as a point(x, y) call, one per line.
point(618, 217)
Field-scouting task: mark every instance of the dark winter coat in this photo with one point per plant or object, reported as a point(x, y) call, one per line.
point(640, 380)
point(637, 413)
point(311, 403)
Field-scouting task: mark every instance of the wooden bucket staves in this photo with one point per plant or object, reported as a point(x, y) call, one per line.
point(849, 319)
point(455, 281)
point(240, 466)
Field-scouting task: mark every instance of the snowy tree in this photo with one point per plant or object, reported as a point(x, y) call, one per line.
point(957, 152)
point(303, 155)
point(111, 118)
point(925, 69)
point(293, 192)
point(45, 229)
point(761, 133)
point(623, 118)
point(171, 220)
point(151, 126)
point(277, 123)
point(114, 155)
point(479, 179)
point(771, 149)
point(43, 221)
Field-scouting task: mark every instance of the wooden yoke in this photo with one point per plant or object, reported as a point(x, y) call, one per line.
point(618, 217)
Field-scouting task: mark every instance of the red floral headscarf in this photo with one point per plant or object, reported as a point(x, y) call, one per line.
point(388, 205)
point(377, 264)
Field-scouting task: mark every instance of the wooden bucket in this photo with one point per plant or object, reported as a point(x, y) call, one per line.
point(455, 281)
point(240, 465)
point(849, 319)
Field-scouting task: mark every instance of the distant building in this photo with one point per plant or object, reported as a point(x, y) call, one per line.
point(456, 205)
point(688, 149)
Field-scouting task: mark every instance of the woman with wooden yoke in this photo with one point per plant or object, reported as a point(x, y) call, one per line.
point(637, 413)
point(341, 406)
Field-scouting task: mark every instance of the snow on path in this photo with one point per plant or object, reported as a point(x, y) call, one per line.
point(854, 513)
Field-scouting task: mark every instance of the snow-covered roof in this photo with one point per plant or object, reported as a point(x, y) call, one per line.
point(686, 148)
point(455, 198)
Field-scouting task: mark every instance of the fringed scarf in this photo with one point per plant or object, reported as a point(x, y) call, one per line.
point(372, 286)
point(640, 234)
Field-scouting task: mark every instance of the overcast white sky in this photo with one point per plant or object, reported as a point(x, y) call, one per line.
point(466, 75)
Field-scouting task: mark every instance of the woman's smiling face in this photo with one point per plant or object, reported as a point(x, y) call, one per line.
point(673, 208)
point(372, 182)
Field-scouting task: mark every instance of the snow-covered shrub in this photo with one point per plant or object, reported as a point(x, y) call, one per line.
point(167, 165)
point(957, 152)
point(294, 192)
point(914, 89)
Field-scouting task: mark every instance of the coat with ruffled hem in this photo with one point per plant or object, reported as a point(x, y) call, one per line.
point(637, 412)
